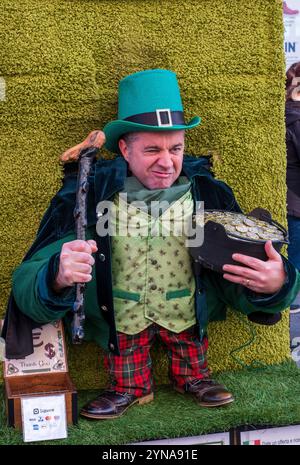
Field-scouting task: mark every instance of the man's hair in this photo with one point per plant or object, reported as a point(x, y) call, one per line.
point(292, 72)
point(129, 137)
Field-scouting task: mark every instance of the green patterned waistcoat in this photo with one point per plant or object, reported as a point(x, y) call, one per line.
point(151, 267)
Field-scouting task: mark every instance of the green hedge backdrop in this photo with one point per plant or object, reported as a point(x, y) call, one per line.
point(62, 60)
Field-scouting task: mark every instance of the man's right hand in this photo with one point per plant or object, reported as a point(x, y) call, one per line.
point(75, 264)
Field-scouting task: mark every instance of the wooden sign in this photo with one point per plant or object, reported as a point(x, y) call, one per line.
point(43, 373)
point(49, 354)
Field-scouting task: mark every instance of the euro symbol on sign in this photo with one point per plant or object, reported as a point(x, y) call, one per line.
point(36, 335)
point(50, 353)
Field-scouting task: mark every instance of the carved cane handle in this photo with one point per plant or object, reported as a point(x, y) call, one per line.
point(95, 139)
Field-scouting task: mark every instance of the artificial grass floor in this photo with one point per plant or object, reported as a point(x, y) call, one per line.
point(269, 396)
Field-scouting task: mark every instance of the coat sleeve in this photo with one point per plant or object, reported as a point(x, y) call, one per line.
point(293, 138)
point(31, 285)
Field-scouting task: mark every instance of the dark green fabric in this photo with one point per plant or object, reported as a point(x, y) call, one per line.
point(178, 293)
point(126, 295)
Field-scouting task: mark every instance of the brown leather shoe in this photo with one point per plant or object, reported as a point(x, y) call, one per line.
point(207, 392)
point(112, 404)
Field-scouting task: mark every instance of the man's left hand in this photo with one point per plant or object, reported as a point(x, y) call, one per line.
point(263, 277)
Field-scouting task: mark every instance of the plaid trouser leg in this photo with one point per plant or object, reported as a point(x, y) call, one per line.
point(131, 370)
point(187, 355)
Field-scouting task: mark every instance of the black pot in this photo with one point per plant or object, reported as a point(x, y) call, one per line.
point(218, 247)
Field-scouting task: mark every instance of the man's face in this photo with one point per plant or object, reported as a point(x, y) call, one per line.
point(155, 158)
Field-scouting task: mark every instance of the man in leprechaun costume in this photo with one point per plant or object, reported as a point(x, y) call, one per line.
point(142, 286)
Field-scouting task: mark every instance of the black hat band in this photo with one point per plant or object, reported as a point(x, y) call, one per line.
point(161, 118)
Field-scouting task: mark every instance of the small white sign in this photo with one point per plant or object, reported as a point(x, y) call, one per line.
point(216, 439)
point(44, 417)
point(283, 436)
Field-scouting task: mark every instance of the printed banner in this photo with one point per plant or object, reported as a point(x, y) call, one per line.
point(49, 354)
point(216, 439)
point(285, 436)
point(291, 19)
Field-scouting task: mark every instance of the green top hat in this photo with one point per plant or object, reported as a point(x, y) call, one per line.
point(148, 101)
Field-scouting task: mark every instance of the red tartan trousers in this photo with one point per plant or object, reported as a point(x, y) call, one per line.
point(131, 371)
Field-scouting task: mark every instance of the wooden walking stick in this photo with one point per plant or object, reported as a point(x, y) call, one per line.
point(84, 153)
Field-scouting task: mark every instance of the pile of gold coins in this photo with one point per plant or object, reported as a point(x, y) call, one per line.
point(240, 226)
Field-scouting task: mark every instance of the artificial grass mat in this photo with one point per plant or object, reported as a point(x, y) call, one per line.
point(268, 396)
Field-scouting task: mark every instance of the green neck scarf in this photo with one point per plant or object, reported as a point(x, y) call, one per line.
point(137, 192)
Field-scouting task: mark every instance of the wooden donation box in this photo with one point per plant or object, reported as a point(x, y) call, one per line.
point(43, 373)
